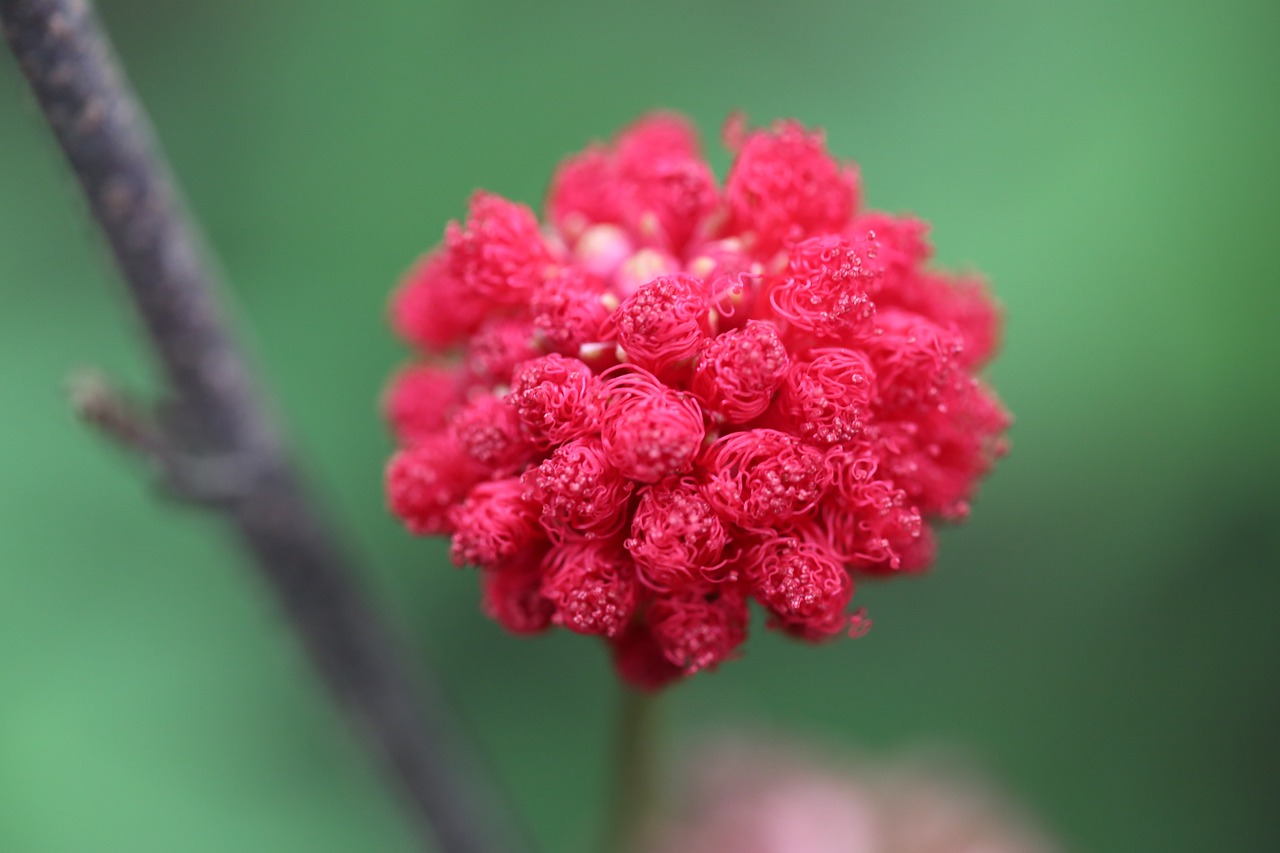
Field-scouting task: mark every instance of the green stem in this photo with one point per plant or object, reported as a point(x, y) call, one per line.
point(634, 765)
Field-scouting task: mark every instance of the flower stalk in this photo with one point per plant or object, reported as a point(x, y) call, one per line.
point(635, 764)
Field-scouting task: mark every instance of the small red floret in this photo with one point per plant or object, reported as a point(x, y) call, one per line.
point(569, 310)
point(698, 629)
point(495, 524)
point(739, 372)
point(665, 322)
point(420, 400)
point(804, 587)
point(488, 430)
point(784, 184)
point(828, 286)
point(762, 478)
point(827, 400)
point(426, 480)
point(556, 399)
point(497, 348)
point(592, 585)
point(513, 595)
point(676, 537)
point(581, 494)
point(432, 309)
point(649, 431)
point(499, 255)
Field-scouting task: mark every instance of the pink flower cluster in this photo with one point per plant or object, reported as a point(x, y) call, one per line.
point(676, 397)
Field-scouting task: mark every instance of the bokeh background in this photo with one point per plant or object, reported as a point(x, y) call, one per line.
point(1101, 637)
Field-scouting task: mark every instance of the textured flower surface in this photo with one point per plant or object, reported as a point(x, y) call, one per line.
point(674, 398)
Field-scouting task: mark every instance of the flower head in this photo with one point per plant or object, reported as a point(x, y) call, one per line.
point(675, 399)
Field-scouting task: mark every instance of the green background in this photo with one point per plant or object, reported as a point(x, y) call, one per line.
point(1100, 637)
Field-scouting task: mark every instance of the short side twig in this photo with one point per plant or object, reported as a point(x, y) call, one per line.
point(218, 418)
point(125, 421)
point(202, 479)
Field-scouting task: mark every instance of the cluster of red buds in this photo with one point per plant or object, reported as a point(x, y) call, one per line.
point(675, 398)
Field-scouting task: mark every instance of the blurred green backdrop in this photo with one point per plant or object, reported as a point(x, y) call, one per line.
point(1101, 635)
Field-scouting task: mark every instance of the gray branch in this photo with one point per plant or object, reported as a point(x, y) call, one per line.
point(218, 425)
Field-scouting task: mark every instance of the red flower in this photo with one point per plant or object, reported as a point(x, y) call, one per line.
point(426, 480)
point(512, 595)
point(432, 309)
point(738, 372)
point(674, 399)
point(654, 183)
point(868, 522)
point(827, 399)
point(676, 536)
point(649, 431)
point(783, 184)
point(828, 286)
point(762, 478)
point(556, 399)
point(580, 493)
point(489, 431)
point(664, 322)
point(698, 628)
point(494, 525)
point(805, 588)
point(419, 401)
point(592, 585)
point(499, 255)
point(569, 309)
point(498, 348)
